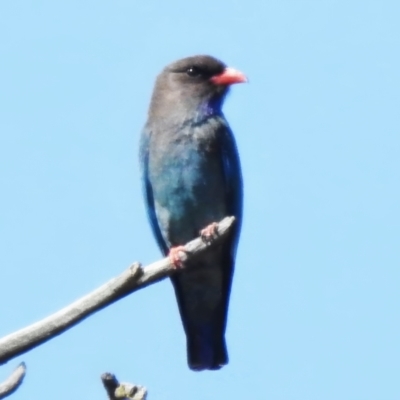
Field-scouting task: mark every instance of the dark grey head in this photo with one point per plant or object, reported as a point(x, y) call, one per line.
point(195, 84)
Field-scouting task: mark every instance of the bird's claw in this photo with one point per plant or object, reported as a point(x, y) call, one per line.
point(175, 258)
point(209, 233)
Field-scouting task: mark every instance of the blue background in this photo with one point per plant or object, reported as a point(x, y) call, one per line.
point(315, 302)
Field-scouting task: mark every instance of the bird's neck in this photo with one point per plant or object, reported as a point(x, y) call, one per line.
point(184, 112)
point(209, 108)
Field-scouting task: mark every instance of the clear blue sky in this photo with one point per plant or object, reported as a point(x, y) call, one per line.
point(315, 301)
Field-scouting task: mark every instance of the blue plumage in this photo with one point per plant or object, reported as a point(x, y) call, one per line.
point(192, 178)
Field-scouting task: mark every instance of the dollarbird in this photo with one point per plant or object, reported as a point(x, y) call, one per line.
point(192, 178)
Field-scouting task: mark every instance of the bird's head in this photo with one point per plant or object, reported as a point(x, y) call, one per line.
point(195, 84)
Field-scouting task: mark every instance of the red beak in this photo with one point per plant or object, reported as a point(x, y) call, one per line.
point(229, 76)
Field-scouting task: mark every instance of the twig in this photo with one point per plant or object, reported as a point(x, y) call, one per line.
point(134, 278)
point(11, 384)
point(119, 391)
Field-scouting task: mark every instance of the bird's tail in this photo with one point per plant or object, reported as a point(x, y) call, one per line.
point(206, 350)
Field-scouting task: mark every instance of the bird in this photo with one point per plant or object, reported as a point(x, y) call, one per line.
point(192, 178)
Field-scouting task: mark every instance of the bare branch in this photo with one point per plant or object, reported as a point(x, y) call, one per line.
point(120, 391)
point(134, 278)
point(11, 384)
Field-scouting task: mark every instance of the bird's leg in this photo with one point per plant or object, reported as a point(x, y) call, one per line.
point(175, 258)
point(209, 233)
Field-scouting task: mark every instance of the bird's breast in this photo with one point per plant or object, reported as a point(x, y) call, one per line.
point(187, 181)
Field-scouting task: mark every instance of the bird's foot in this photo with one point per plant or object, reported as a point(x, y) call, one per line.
point(175, 258)
point(209, 233)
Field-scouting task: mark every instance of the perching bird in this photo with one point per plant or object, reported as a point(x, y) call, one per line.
point(192, 178)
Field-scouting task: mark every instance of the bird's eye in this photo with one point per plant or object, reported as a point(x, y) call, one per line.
point(193, 71)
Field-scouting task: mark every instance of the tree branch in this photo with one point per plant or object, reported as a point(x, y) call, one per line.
point(120, 391)
point(11, 384)
point(134, 278)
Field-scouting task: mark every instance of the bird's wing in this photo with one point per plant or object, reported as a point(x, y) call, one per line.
point(148, 190)
point(206, 342)
point(232, 176)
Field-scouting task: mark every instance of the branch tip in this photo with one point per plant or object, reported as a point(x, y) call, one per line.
point(123, 390)
point(12, 383)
